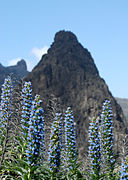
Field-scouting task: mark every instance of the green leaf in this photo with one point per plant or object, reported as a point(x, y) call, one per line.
point(20, 140)
point(25, 177)
point(33, 169)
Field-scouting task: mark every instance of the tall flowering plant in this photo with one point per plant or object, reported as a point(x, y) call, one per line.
point(19, 165)
point(94, 148)
point(25, 115)
point(35, 145)
point(107, 138)
point(30, 139)
point(26, 106)
point(6, 102)
point(5, 118)
point(55, 145)
point(70, 140)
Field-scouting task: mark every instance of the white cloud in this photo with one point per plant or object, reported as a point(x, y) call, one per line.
point(38, 52)
point(30, 64)
point(32, 59)
point(14, 61)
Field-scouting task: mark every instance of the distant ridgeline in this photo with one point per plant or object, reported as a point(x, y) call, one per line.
point(123, 102)
point(68, 71)
point(18, 71)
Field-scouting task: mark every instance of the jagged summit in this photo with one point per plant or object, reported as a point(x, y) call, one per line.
point(67, 52)
point(68, 71)
point(22, 64)
point(65, 36)
point(19, 71)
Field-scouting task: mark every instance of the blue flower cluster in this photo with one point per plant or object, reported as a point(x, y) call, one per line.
point(55, 144)
point(94, 147)
point(26, 105)
point(124, 172)
point(107, 138)
point(35, 131)
point(32, 125)
point(70, 139)
point(6, 102)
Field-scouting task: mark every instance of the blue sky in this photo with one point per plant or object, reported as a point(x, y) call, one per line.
point(27, 29)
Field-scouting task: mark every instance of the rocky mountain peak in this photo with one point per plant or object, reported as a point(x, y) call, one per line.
point(68, 71)
point(22, 64)
point(68, 53)
point(18, 71)
point(66, 36)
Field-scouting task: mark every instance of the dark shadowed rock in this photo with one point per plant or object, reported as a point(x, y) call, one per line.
point(22, 64)
point(68, 71)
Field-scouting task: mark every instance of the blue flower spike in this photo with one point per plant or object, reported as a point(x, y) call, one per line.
point(35, 132)
point(107, 137)
point(26, 106)
point(55, 144)
point(70, 140)
point(94, 147)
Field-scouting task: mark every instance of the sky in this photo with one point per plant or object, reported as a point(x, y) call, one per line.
point(28, 27)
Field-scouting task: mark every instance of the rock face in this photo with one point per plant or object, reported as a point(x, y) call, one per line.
point(19, 71)
point(68, 71)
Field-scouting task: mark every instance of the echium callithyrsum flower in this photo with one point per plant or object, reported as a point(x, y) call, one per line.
point(70, 140)
point(107, 138)
point(6, 102)
point(35, 132)
point(5, 117)
point(94, 147)
point(124, 171)
point(26, 105)
point(55, 144)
